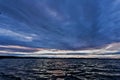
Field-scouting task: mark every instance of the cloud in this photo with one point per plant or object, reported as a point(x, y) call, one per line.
point(22, 51)
point(16, 49)
point(15, 35)
point(60, 24)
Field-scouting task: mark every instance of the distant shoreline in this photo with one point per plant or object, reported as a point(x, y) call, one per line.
point(17, 57)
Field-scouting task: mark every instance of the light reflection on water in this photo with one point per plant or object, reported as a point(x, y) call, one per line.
point(59, 69)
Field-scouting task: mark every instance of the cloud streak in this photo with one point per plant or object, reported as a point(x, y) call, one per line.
point(107, 51)
point(12, 34)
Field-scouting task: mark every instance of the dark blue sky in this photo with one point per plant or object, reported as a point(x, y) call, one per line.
point(60, 24)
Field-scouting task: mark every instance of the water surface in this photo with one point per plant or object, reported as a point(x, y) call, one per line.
point(59, 69)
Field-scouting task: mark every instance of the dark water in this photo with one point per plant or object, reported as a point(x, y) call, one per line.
point(59, 69)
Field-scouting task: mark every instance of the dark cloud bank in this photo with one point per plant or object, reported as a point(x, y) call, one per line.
point(60, 24)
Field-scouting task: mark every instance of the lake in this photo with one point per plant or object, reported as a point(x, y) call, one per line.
point(59, 69)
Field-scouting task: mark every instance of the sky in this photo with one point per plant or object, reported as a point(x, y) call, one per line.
point(59, 24)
